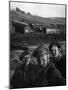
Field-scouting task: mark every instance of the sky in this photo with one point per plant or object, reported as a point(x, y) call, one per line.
point(43, 10)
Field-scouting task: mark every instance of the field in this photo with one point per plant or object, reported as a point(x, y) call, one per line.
point(33, 40)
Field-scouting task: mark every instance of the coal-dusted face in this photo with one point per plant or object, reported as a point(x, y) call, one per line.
point(27, 58)
point(44, 59)
point(55, 51)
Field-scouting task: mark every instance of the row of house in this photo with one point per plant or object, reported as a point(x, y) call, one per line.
point(22, 27)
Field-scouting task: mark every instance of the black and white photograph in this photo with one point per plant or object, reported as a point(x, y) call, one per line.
point(37, 34)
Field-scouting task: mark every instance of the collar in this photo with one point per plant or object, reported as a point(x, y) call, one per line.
point(42, 69)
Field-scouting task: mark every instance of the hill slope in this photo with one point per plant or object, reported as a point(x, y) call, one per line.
point(18, 15)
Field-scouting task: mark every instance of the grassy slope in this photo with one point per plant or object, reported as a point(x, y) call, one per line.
point(36, 19)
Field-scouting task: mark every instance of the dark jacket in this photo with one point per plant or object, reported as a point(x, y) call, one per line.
point(61, 65)
point(35, 76)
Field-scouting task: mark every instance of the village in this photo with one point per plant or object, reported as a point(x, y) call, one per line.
point(29, 26)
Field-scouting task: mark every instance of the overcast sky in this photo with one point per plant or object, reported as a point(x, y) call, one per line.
point(43, 10)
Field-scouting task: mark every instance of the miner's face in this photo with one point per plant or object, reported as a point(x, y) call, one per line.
point(27, 58)
point(55, 51)
point(44, 59)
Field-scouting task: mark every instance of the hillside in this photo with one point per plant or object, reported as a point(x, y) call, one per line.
point(22, 39)
point(27, 17)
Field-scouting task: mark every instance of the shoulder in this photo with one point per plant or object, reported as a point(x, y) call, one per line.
point(63, 60)
point(33, 66)
point(54, 71)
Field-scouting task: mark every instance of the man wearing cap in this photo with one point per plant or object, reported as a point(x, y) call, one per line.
point(58, 58)
point(48, 74)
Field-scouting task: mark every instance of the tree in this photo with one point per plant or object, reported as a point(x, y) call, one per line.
point(17, 9)
point(28, 13)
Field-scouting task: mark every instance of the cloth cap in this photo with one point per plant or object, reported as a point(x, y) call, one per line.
point(42, 49)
